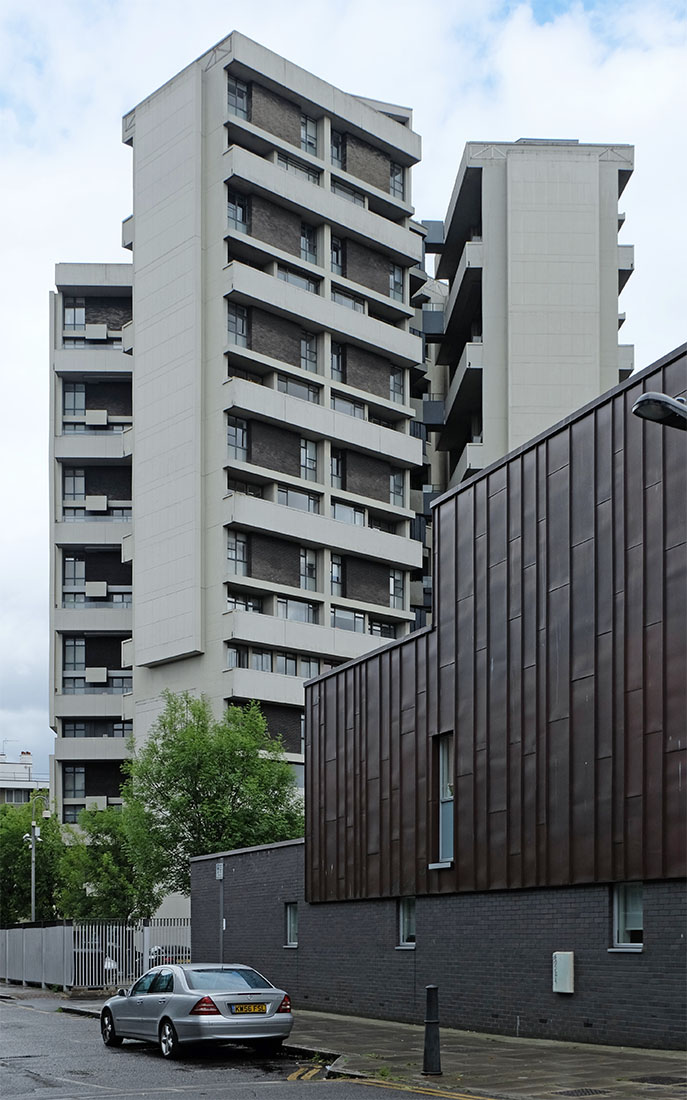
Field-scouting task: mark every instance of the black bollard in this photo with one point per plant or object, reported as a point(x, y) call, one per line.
point(431, 1065)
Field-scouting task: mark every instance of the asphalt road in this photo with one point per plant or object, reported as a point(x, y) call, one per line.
point(53, 1055)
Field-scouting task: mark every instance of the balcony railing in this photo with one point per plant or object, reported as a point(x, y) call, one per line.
point(118, 682)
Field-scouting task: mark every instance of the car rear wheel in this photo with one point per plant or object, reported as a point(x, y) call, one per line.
point(169, 1041)
point(107, 1030)
point(268, 1046)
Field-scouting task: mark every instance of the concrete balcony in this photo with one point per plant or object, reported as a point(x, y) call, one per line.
point(249, 286)
point(269, 687)
point(91, 360)
point(464, 305)
point(321, 423)
point(319, 640)
point(470, 462)
point(90, 445)
point(90, 748)
point(253, 513)
point(626, 264)
point(79, 619)
point(90, 534)
point(88, 706)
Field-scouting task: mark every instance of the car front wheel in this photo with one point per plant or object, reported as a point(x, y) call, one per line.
point(107, 1030)
point(169, 1042)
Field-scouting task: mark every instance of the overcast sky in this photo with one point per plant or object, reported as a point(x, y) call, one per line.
point(599, 70)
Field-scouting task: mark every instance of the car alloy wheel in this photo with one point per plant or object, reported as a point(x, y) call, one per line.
point(169, 1043)
point(107, 1030)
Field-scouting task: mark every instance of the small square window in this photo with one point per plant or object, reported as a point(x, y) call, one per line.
point(628, 915)
point(406, 922)
point(291, 920)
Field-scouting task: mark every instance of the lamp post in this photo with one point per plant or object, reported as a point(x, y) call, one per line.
point(33, 838)
point(670, 411)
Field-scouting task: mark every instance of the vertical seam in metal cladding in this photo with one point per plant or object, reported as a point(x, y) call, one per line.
point(619, 707)
point(506, 710)
point(596, 435)
point(645, 803)
point(543, 588)
point(473, 701)
point(571, 869)
point(663, 684)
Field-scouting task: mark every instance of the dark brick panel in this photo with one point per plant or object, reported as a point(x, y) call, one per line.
point(113, 396)
point(110, 481)
point(114, 312)
point(273, 336)
point(276, 560)
point(103, 777)
point(104, 651)
point(286, 722)
point(108, 566)
point(367, 163)
point(367, 371)
point(367, 476)
point(271, 223)
point(272, 112)
point(367, 581)
point(490, 954)
point(367, 267)
point(275, 448)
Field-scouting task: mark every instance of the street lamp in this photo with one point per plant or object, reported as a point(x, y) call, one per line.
point(671, 411)
point(33, 838)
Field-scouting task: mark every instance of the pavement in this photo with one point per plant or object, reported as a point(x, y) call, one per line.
point(474, 1066)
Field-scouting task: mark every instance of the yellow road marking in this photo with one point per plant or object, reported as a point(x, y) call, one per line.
point(417, 1089)
point(311, 1073)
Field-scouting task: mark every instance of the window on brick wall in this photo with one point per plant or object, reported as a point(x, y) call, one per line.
point(348, 406)
point(396, 488)
point(445, 784)
point(628, 915)
point(74, 398)
point(74, 781)
point(237, 553)
point(343, 619)
point(237, 211)
point(261, 660)
point(337, 469)
point(296, 498)
point(75, 314)
point(291, 921)
point(337, 255)
point(380, 629)
point(286, 664)
point(237, 438)
point(295, 278)
point(350, 301)
point(338, 362)
point(308, 243)
point(309, 459)
point(308, 569)
point(309, 135)
point(298, 169)
point(348, 193)
point(237, 97)
point(337, 575)
point(397, 180)
point(397, 384)
point(309, 351)
point(406, 922)
point(237, 324)
point(298, 611)
point(396, 282)
point(304, 391)
point(396, 579)
point(338, 149)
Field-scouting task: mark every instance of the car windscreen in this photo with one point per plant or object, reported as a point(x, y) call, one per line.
point(225, 979)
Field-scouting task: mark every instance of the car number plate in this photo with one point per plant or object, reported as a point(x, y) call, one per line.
point(246, 1008)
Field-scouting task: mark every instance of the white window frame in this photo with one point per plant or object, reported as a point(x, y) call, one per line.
point(237, 324)
point(237, 438)
point(237, 211)
point(291, 923)
point(237, 553)
point(309, 352)
point(406, 923)
point(628, 915)
point(308, 243)
point(396, 588)
point(308, 569)
point(446, 798)
point(237, 96)
point(309, 135)
point(397, 186)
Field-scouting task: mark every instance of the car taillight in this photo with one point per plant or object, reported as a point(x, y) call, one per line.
point(205, 1007)
point(285, 1006)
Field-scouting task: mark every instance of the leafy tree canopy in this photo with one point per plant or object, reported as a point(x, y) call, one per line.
point(15, 862)
point(199, 785)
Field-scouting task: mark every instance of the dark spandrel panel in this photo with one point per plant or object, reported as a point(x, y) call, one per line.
point(558, 808)
point(558, 528)
point(582, 441)
point(653, 556)
point(673, 815)
point(498, 529)
point(583, 779)
point(582, 625)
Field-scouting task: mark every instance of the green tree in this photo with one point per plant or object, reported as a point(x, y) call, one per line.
point(101, 878)
point(199, 785)
point(15, 862)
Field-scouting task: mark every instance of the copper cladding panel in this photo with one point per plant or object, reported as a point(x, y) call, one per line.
point(557, 657)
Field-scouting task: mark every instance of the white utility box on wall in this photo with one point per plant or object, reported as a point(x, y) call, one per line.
point(564, 971)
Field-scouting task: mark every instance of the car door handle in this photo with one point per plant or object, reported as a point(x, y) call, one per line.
point(162, 1000)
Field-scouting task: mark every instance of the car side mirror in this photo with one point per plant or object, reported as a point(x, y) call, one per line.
point(122, 993)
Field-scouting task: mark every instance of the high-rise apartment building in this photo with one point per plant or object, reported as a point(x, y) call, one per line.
point(529, 332)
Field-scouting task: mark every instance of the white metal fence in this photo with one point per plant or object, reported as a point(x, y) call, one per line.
point(91, 954)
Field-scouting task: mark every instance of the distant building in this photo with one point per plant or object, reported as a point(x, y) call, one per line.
point(17, 781)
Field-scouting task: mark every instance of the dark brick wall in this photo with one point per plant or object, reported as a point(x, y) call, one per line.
point(110, 481)
point(103, 777)
point(285, 721)
point(367, 371)
point(114, 312)
point(275, 448)
point(277, 115)
point(108, 566)
point(104, 651)
point(367, 476)
point(271, 223)
point(275, 560)
point(367, 581)
point(368, 267)
point(367, 163)
point(489, 953)
point(272, 335)
point(114, 396)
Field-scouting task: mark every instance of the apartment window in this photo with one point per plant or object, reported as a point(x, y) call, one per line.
point(397, 385)
point(261, 660)
point(343, 619)
point(73, 781)
point(237, 97)
point(74, 483)
point(338, 362)
point(237, 602)
point(348, 406)
point(308, 351)
point(309, 135)
point(338, 149)
point(397, 181)
point(74, 729)
point(337, 469)
point(337, 256)
point(303, 282)
point(248, 488)
point(296, 498)
point(396, 488)
point(348, 300)
point(291, 920)
point(396, 579)
point(628, 915)
point(347, 513)
point(336, 575)
point(304, 391)
point(396, 282)
point(237, 324)
point(285, 664)
point(237, 553)
point(297, 611)
point(74, 399)
point(445, 750)
point(310, 666)
point(237, 656)
point(308, 569)
point(379, 629)
point(75, 314)
point(309, 459)
point(237, 211)
point(246, 375)
point(74, 654)
point(298, 169)
point(17, 795)
point(237, 438)
point(406, 922)
point(348, 193)
point(74, 570)
point(70, 814)
point(302, 717)
point(308, 243)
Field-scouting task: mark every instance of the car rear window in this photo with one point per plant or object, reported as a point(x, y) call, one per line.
point(226, 980)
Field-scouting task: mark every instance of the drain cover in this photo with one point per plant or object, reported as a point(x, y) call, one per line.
point(583, 1092)
point(659, 1079)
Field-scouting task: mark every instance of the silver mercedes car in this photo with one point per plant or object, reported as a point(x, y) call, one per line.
point(194, 1002)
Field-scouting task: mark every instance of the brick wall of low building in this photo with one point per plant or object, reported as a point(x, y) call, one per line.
point(272, 112)
point(490, 953)
point(273, 224)
point(273, 336)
